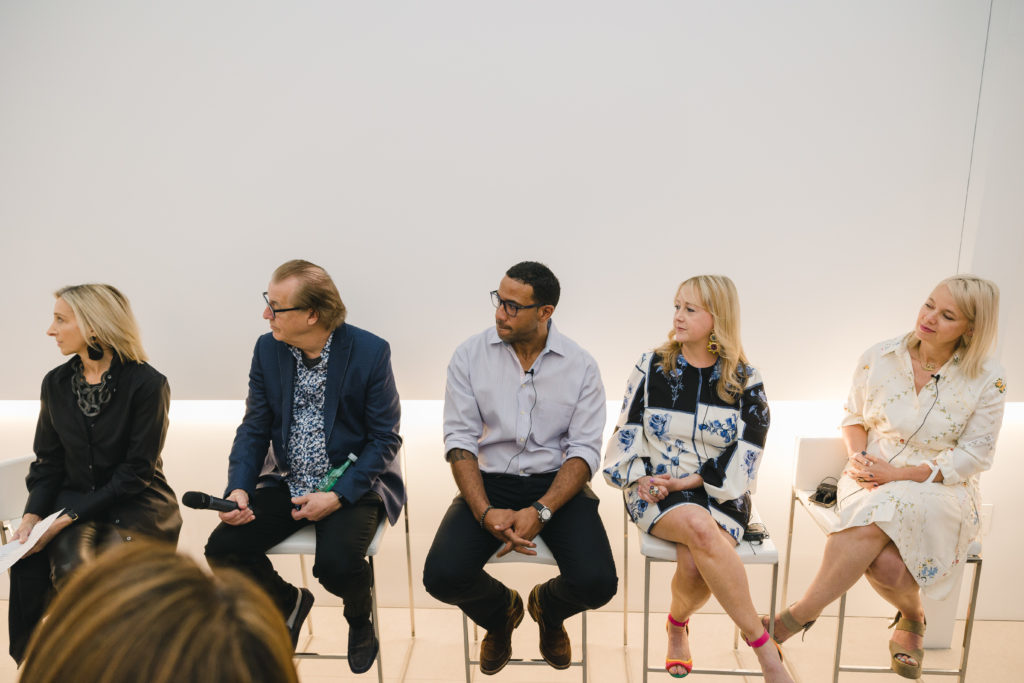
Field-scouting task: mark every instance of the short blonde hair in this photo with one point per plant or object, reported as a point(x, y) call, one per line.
point(142, 612)
point(316, 291)
point(105, 312)
point(719, 297)
point(978, 299)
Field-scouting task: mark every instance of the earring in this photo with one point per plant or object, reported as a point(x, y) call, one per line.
point(713, 345)
point(94, 349)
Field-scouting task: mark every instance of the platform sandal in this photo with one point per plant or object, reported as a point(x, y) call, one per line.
point(686, 665)
point(899, 656)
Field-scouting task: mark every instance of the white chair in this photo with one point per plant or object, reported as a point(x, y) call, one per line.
point(543, 556)
point(658, 550)
point(818, 459)
point(13, 493)
point(303, 542)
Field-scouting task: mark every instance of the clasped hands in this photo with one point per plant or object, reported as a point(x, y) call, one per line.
point(515, 528)
point(870, 471)
point(655, 487)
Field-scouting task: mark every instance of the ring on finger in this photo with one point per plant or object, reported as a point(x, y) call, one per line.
point(653, 491)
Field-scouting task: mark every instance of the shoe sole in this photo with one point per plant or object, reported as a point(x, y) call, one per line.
point(491, 672)
point(300, 616)
point(533, 608)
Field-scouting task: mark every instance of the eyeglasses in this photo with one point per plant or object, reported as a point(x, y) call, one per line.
point(275, 311)
point(511, 307)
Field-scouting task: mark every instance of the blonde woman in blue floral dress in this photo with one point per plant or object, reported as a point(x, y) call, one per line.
point(685, 453)
point(921, 425)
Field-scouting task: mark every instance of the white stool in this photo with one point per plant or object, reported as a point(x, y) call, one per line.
point(658, 550)
point(543, 556)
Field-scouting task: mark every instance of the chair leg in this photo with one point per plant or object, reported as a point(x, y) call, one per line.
point(305, 584)
point(408, 564)
point(465, 646)
point(625, 577)
point(969, 625)
point(789, 550)
point(584, 648)
point(839, 638)
point(376, 623)
point(647, 615)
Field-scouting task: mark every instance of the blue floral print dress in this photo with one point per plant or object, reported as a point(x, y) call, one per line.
point(954, 422)
point(676, 423)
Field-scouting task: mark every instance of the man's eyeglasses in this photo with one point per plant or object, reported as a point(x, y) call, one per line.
point(275, 311)
point(511, 307)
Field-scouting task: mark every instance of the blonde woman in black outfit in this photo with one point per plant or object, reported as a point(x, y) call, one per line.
point(102, 422)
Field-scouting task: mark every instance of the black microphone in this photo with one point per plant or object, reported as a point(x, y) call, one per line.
point(936, 378)
point(204, 501)
point(530, 372)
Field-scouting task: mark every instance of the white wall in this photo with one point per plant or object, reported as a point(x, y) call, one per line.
point(816, 152)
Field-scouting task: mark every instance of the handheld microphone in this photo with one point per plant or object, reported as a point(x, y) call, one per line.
point(204, 501)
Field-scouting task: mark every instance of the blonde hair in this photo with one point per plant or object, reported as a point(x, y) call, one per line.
point(978, 300)
point(142, 612)
point(105, 312)
point(718, 296)
point(316, 291)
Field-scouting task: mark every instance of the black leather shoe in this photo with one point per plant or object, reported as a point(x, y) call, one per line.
point(305, 604)
point(496, 648)
point(362, 646)
point(554, 642)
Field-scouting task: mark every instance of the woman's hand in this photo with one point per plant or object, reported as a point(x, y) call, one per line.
point(59, 525)
point(656, 487)
point(870, 471)
point(28, 522)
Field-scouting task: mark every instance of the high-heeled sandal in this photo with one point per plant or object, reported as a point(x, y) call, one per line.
point(760, 642)
point(687, 664)
point(900, 666)
point(791, 624)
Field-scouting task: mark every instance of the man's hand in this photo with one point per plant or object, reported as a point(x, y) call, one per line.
point(508, 527)
point(59, 524)
point(243, 515)
point(315, 506)
point(517, 529)
point(28, 522)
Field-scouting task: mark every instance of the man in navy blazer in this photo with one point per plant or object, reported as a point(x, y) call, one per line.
point(321, 392)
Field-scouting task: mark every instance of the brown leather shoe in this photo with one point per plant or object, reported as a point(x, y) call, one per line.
point(554, 642)
point(496, 647)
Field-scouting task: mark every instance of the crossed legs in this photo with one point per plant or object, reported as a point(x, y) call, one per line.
point(706, 564)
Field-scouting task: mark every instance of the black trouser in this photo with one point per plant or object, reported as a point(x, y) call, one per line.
point(33, 578)
point(342, 539)
point(454, 568)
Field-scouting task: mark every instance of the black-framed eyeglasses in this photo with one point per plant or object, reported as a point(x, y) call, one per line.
point(275, 311)
point(511, 307)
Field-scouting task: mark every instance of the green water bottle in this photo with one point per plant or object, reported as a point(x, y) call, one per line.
point(332, 477)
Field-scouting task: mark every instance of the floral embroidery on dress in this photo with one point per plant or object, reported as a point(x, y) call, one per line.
point(626, 437)
point(658, 423)
point(674, 377)
point(726, 431)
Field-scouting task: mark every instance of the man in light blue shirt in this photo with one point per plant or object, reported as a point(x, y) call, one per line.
point(523, 417)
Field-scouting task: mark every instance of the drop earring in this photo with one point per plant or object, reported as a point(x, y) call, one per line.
point(713, 345)
point(94, 349)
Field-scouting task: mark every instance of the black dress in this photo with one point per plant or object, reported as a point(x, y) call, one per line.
point(105, 467)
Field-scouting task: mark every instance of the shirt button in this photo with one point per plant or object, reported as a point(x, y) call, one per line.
point(117, 521)
point(902, 441)
point(127, 538)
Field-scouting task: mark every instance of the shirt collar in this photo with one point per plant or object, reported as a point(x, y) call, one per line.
point(324, 352)
point(555, 341)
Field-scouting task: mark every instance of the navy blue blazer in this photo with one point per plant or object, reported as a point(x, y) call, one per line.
point(361, 416)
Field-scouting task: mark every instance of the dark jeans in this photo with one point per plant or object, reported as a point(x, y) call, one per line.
point(33, 578)
point(342, 539)
point(454, 571)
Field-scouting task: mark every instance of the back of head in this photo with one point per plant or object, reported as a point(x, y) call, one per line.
point(978, 299)
point(546, 290)
point(316, 291)
point(143, 613)
point(105, 311)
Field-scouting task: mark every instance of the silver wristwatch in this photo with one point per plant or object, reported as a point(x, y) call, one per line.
point(543, 512)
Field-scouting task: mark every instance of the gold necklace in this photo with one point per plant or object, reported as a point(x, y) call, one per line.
point(929, 366)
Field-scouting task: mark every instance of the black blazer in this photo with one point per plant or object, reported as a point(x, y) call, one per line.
point(361, 416)
point(106, 468)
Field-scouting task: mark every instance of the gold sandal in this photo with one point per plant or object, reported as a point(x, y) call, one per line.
point(899, 655)
point(791, 624)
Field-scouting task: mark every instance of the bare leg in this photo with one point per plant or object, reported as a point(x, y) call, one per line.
point(714, 555)
point(889, 576)
point(848, 554)
point(689, 594)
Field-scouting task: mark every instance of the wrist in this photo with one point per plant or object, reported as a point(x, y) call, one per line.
point(483, 516)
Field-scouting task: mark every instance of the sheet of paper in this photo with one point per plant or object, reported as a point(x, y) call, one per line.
point(14, 551)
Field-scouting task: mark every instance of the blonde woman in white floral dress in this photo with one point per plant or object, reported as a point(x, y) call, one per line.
point(921, 425)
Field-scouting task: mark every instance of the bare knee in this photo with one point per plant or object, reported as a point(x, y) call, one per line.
point(888, 568)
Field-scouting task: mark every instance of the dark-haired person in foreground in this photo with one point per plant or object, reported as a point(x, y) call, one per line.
point(523, 418)
point(142, 613)
point(319, 390)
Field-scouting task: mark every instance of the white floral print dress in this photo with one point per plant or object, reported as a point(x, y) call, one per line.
point(954, 422)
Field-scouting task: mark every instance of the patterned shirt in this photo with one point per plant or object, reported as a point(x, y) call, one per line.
point(307, 445)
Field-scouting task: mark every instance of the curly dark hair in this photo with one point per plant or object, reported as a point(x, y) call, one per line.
point(546, 289)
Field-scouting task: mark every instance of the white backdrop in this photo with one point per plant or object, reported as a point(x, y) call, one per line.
point(818, 153)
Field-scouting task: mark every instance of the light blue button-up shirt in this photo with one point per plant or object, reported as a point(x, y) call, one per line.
point(519, 422)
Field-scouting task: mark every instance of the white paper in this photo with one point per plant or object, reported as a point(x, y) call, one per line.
point(14, 551)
